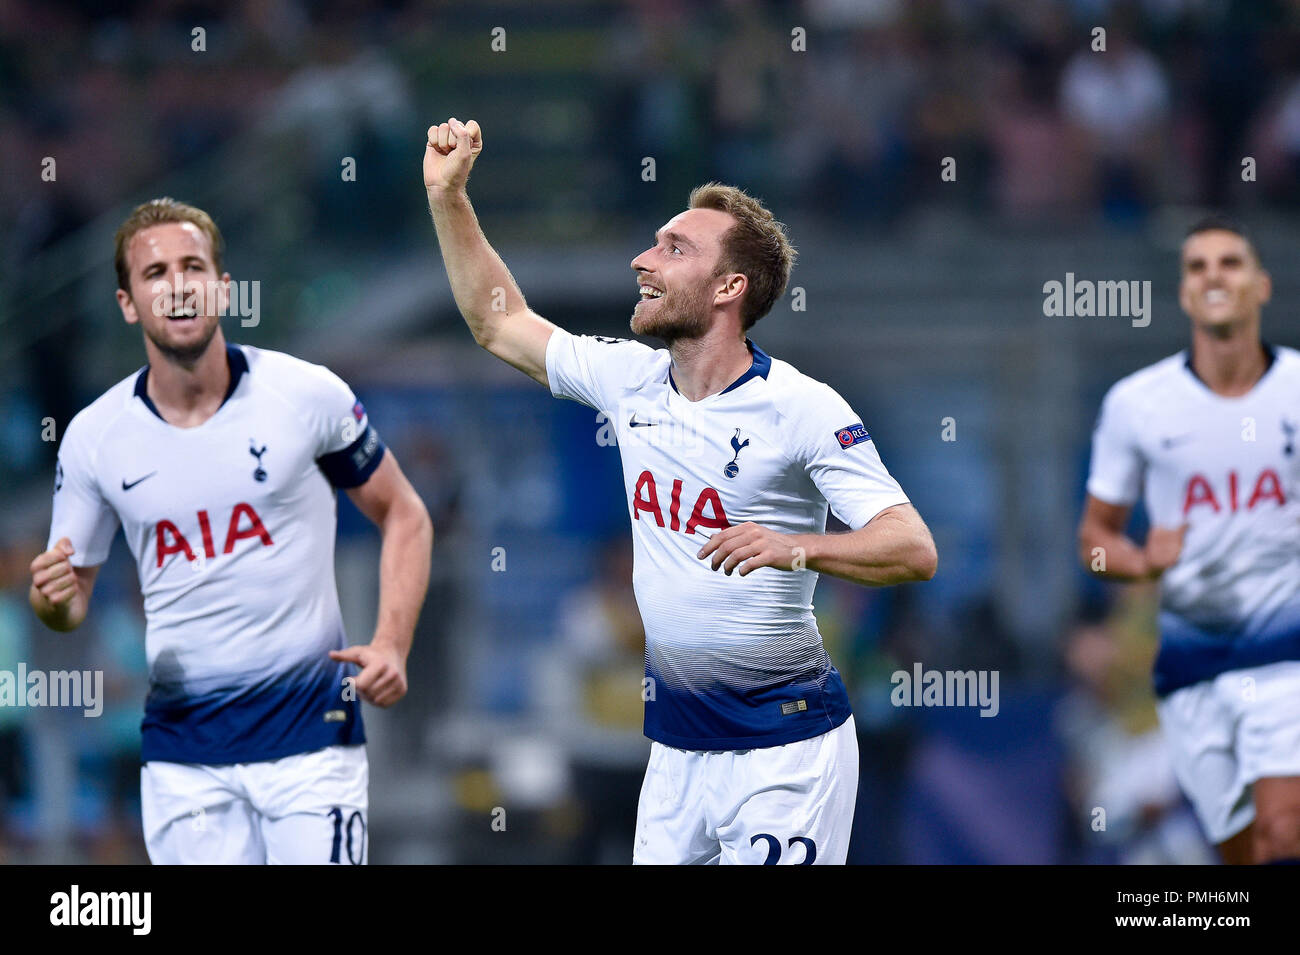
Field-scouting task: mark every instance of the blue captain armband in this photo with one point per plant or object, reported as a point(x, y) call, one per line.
point(353, 465)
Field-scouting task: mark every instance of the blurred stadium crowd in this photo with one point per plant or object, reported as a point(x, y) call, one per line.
point(1041, 127)
point(524, 682)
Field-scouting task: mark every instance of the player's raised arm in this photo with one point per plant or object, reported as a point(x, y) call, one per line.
point(60, 593)
point(485, 292)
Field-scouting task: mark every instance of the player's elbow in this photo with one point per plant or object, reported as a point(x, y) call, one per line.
point(1086, 548)
point(914, 558)
point(426, 529)
point(482, 332)
point(415, 517)
point(918, 561)
point(925, 559)
point(487, 326)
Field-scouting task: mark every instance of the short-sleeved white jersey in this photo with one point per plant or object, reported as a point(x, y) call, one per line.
point(232, 526)
point(733, 662)
point(1230, 469)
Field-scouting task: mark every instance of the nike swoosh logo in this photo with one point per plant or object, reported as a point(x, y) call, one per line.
point(127, 487)
point(1178, 439)
point(641, 424)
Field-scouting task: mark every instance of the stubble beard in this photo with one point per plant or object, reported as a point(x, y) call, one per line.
point(187, 356)
point(678, 315)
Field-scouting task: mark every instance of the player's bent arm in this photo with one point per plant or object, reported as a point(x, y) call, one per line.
point(392, 504)
point(60, 593)
point(1104, 549)
point(894, 547)
point(486, 294)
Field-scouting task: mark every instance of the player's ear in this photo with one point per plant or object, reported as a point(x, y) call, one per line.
point(1265, 287)
point(735, 286)
point(127, 305)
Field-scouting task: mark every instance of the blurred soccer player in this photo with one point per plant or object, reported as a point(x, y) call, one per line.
point(1208, 437)
point(221, 462)
point(730, 458)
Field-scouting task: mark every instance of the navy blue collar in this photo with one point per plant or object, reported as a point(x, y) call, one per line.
point(762, 364)
point(235, 361)
point(1269, 351)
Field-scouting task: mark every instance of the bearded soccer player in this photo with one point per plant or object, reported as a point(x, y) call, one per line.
point(221, 464)
point(730, 459)
point(1208, 438)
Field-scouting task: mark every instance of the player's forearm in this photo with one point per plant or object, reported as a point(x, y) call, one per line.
point(60, 617)
point(404, 563)
point(484, 290)
point(1112, 555)
point(887, 551)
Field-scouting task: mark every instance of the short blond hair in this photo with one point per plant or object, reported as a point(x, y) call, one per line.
point(159, 212)
point(756, 246)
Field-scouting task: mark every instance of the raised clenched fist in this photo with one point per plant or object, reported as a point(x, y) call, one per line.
point(449, 154)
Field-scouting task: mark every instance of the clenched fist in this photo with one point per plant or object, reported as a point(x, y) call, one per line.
point(52, 573)
point(60, 593)
point(1163, 547)
point(449, 154)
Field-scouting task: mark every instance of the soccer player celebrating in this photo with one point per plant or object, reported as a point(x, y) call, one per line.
point(730, 460)
point(1208, 438)
point(220, 462)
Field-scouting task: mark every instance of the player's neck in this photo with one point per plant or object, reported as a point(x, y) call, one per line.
point(187, 396)
point(1229, 365)
point(705, 366)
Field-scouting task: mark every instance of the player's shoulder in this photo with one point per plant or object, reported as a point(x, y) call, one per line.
point(795, 395)
point(808, 411)
point(637, 362)
point(294, 378)
point(275, 363)
point(627, 349)
point(94, 422)
point(1288, 360)
point(1149, 382)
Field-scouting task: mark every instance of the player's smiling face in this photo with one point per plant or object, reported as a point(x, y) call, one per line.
point(677, 278)
point(1223, 284)
point(180, 317)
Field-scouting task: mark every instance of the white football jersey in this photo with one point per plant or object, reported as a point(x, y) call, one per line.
point(232, 525)
point(1229, 468)
point(731, 662)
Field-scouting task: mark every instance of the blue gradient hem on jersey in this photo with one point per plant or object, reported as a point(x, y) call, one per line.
point(281, 716)
point(729, 718)
point(1190, 654)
